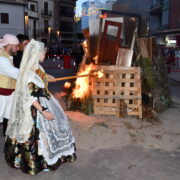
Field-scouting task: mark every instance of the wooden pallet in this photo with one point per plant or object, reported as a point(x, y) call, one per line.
point(119, 88)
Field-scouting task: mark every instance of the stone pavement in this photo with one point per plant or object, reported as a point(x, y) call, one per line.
point(174, 78)
point(128, 163)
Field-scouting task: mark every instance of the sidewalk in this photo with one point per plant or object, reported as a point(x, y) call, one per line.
point(174, 78)
point(128, 163)
point(156, 157)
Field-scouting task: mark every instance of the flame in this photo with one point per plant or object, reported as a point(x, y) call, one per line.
point(67, 85)
point(96, 59)
point(99, 74)
point(82, 84)
point(85, 47)
point(103, 15)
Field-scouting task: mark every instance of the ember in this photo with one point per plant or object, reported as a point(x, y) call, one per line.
point(67, 85)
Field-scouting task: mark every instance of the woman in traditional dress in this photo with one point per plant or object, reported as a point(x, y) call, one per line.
point(39, 137)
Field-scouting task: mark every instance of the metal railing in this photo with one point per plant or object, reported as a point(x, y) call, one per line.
point(156, 3)
point(46, 13)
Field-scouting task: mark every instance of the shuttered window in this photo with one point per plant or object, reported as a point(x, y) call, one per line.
point(4, 18)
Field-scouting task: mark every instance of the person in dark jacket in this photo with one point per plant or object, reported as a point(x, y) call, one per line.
point(23, 41)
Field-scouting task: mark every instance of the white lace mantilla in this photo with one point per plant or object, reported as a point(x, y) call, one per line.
point(20, 123)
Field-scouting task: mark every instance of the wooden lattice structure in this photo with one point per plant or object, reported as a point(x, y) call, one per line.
point(118, 92)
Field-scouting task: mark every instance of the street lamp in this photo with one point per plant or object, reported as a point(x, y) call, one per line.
point(49, 33)
point(26, 19)
point(58, 36)
point(58, 33)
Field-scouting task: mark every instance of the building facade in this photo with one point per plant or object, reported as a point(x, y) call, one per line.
point(165, 20)
point(31, 18)
point(40, 19)
point(64, 21)
point(11, 17)
point(45, 20)
point(139, 7)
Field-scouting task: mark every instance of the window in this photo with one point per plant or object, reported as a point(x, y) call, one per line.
point(32, 7)
point(66, 12)
point(66, 26)
point(45, 7)
point(4, 18)
point(46, 24)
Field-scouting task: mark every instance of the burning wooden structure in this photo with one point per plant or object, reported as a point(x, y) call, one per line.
point(118, 85)
point(125, 69)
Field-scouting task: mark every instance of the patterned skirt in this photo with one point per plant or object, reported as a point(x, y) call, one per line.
point(24, 156)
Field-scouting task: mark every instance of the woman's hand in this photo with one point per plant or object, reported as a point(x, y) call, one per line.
point(50, 77)
point(48, 115)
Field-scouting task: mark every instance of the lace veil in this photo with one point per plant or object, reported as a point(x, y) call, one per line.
point(20, 123)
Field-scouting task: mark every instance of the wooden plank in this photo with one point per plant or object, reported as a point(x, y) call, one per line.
point(134, 113)
point(105, 113)
point(120, 80)
point(115, 97)
point(144, 48)
point(114, 68)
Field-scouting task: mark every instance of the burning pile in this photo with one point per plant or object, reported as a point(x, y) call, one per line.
point(80, 98)
point(82, 84)
point(81, 89)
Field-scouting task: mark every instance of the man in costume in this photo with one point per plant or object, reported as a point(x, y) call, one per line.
point(23, 41)
point(8, 76)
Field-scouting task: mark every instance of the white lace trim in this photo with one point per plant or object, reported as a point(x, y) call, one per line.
point(56, 139)
point(51, 161)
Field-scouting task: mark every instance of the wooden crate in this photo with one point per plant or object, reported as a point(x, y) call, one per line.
point(119, 84)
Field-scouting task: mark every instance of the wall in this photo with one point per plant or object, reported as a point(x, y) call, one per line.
point(16, 19)
point(174, 14)
point(41, 18)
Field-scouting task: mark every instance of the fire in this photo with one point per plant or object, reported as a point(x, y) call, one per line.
point(82, 84)
point(96, 59)
point(85, 47)
point(103, 15)
point(67, 85)
point(99, 74)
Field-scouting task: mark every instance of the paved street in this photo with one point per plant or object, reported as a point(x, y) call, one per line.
point(130, 162)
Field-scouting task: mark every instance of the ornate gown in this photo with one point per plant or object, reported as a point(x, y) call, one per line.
point(50, 143)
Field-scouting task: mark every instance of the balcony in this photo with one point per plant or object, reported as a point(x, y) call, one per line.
point(66, 19)
point(156, 7)
point(46, 13)
point(39, 32)
point(23, 2)
point(32, 14)
point(44, 32)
